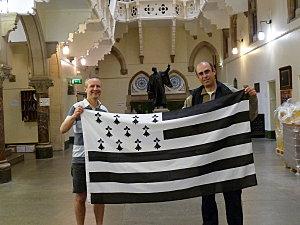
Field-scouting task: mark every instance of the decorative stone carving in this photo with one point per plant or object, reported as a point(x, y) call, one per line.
point(51, 48)
point(173, 40)
point(141, 41)
point(41, 84)
point(138, 84)
point(172, 57)
point(178, 82)
point(8, 23)
point(141, 59)
point(166, 9)
point(5, 73)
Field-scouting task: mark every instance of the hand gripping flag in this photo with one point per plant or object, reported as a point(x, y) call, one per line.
point(134, 158)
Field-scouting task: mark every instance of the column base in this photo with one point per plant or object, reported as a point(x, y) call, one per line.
point(5, 172)
point(43, 151)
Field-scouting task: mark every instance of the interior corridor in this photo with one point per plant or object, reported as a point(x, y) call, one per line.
point(40, 194)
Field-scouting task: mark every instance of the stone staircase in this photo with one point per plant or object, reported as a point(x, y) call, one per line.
point(13, 157)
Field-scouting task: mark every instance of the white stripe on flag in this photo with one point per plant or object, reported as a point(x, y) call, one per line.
point(174, 164)
point(209, 116)
point(208, 137)
point(218, 176)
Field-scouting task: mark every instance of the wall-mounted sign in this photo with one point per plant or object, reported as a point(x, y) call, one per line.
point(76, 81)
point(44, 101)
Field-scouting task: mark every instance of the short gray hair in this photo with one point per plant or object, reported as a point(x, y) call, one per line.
point(88, 79)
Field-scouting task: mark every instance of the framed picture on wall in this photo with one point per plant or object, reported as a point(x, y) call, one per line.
point(257, 87)
point(285, 77)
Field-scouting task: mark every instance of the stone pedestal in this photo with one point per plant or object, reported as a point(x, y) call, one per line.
point(43, 151)
point(159, 110)
point(5, 172)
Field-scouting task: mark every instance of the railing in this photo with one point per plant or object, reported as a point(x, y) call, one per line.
point(127, 10)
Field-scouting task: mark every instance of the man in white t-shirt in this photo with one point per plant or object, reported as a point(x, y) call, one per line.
point(92, 102)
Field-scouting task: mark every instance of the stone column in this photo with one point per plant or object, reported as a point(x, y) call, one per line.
point(43, 149)
point(5, 168)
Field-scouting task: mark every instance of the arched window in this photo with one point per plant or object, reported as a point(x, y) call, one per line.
point(139, 83)
point(179, 84)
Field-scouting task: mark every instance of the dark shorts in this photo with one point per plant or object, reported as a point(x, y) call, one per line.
point(79, 177)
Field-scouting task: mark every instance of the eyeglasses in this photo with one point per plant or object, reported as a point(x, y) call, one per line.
point(205, 72)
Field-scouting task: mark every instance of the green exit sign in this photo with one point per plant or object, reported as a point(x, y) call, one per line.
point(76, 81)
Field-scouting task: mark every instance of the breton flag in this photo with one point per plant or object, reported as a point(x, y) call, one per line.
point(135, 158)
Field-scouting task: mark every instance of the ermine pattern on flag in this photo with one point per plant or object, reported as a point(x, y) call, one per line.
point(205, 149)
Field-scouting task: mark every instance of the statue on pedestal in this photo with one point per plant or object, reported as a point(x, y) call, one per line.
point(156, 88)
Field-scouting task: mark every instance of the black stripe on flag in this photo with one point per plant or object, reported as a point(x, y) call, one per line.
point(218, 187)
point(218, 103)
point(170, 154)
point(172, 174)
point(206, 127)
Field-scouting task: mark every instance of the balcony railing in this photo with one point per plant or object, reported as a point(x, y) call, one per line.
point(127, 11)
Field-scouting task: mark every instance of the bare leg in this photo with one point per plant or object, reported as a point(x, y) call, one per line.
point(99, 213)
point(79, 205)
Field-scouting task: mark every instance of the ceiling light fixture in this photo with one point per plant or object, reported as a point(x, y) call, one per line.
point(66, 49)
point(83, 61)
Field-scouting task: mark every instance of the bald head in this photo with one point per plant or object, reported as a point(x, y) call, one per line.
point(205, 63)
point(206, 74)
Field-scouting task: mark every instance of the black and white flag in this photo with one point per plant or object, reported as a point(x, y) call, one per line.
point(205, 149)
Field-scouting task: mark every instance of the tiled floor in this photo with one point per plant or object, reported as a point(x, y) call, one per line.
point(40, 194)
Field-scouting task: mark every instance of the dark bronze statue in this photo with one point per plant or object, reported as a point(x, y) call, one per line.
point(156, 88)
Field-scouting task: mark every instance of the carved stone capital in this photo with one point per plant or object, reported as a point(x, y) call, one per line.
point(51, 48)
point(191, 68)
point(8, 23)
point(123, 71)
point(172, 57)
point(5, 73)
point(41, 84)
point(141, 59)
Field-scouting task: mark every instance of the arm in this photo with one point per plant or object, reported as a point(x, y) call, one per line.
point(69, 121)
point(188, 102)
point(253, 102)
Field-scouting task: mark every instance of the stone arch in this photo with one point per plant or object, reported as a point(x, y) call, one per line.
point(183, 77)
point(133, 77)
point(36, 45)
point(197, 49)
point(117, 53)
